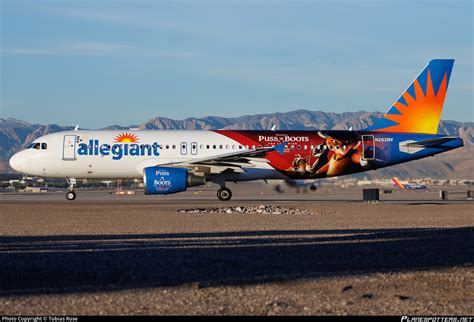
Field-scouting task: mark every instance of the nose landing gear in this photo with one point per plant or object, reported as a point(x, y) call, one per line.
point(71, 194)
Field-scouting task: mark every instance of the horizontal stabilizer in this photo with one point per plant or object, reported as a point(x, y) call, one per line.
point(412, 146)
point(431, 142)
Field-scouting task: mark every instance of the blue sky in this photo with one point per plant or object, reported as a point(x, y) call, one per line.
point(122, 62)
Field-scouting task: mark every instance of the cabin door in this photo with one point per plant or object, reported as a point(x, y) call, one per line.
point(69, 148)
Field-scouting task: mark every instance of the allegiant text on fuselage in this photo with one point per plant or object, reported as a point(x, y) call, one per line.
point(118, 150)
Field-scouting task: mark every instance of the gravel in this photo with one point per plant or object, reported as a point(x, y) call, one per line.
point(260, 209)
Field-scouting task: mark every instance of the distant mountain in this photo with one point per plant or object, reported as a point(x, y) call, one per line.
point(16, 134)
point(295, 120)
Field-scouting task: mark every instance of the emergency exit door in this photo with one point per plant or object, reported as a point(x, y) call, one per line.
point(184, 148)
point(194, 148)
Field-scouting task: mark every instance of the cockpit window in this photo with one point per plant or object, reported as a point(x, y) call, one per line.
point(37, 146)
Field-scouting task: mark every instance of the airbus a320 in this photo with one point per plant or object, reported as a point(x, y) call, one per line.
point(171, 161)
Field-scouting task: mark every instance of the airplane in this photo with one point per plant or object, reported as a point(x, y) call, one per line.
point(408, 185)
point(299, 185)
point(171, 161)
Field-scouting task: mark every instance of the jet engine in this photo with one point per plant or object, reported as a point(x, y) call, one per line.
point(166, 180)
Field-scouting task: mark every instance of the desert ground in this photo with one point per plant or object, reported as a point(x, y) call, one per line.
point(408, 254)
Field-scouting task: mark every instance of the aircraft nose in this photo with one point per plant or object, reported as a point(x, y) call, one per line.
point(15, 162)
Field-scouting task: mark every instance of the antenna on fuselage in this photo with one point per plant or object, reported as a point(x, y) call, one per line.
point(76, 128)
point(273, 127)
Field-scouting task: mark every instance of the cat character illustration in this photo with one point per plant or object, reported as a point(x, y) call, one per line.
point(300, 163)
point(346, 156)
point(320, 153)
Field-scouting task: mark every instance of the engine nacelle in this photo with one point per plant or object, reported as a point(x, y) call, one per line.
point(166, 180)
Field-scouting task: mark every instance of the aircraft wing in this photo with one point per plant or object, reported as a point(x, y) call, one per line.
point(229, 162)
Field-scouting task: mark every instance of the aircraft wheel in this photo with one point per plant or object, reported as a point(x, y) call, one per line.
point(224, 194)
point(71, 195)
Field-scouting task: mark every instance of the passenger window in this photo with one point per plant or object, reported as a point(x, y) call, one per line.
point(36, 146)
point(44, 146)
point(220, 146)
point(167, 146)
point(208, 146)
point(214, 147)
point(174, 146)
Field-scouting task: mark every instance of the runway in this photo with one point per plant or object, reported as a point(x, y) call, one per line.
point(135, 254)
point(252, 191)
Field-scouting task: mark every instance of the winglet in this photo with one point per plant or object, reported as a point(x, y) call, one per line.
point(280, 147)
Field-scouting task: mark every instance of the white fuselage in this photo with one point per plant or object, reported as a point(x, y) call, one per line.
point(108, 154)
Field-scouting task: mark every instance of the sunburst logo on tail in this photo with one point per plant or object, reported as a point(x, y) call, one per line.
point(421, 112)
point(126, 138)
point(419, 108)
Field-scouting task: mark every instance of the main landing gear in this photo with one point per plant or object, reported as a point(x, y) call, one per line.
point(71, 194)
point(224, 194)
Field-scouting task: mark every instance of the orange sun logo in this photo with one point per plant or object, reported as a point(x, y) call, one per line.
point(418, 109)
point(126, 138)
point(420, 114)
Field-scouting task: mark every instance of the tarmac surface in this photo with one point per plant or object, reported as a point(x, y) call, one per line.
point(133, 254)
